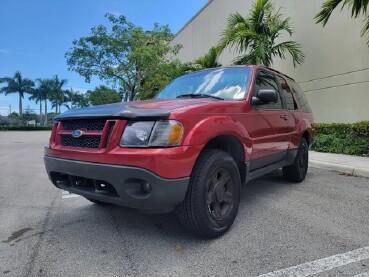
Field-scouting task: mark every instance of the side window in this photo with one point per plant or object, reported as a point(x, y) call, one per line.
point(287, 93)
point(301, 98)
point(266, 80)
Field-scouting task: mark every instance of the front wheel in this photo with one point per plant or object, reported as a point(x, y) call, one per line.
point(212, 200)
point(297, 171)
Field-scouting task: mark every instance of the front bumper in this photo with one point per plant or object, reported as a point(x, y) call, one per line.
point(128, 186)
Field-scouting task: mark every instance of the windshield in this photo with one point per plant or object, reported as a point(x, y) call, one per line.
point(224, 83)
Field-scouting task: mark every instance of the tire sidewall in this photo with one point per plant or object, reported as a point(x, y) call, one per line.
point(303, 147)
point(204, 222)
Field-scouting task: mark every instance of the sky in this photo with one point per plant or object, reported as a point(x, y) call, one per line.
point(36, 34)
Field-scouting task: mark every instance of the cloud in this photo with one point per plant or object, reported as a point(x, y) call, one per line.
point(79, 89)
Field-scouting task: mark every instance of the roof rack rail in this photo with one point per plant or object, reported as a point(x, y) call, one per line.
point(271, 69)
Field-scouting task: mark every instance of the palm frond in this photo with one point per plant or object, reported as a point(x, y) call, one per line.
point(326, 11)
point(210, 59)
point(291, 47)
point(365, 30)
point(260, 12)
point(357, 6)
point(255, 35)
point(236, 19)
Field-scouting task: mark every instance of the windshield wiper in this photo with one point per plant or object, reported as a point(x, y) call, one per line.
point(194, 95)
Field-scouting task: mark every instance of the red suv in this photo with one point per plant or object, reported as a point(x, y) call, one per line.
point(188, 150)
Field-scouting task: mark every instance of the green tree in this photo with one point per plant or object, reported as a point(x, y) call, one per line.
point(77, 99)
point(163, 74)
point(210, 59)
point(124, 54)
point(59, 96)
point(358, 8)
point(13, 115)
point(255, 36)
point(102, 95)
point(37, 96)
point(17, 84)
point(28, 115)
point(45, 92)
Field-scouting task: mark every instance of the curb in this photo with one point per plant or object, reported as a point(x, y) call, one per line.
point(352, 170)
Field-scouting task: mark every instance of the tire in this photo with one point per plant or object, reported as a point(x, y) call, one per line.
point(98, 202)
point(297, 171)
point(213, 196)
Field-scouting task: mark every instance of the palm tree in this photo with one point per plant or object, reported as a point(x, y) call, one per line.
point(37, 97)
point(210, 59)
point(17, 84)
point(358, 7)
point(59, 96)
point(256, 35)
point(44, 89)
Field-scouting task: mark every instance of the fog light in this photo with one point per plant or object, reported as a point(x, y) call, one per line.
point(146, 187)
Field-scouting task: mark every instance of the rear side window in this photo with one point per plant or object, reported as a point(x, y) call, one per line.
point(287, 93)
point(266, 80)
point(301, 97)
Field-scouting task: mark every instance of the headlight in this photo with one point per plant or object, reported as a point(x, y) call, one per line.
point(137, 134)
point(164, 133)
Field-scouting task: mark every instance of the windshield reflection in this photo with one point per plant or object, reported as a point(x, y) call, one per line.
point(226, 83)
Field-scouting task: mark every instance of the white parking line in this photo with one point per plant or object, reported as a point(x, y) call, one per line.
point(322, 265)
point(67, 194)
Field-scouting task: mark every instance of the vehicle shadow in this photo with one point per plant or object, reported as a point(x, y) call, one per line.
point(117, 235)
point(167, 226)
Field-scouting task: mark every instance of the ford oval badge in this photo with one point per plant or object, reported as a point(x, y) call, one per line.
point(77, 133)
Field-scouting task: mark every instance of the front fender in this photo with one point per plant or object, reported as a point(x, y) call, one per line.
point(214, 126)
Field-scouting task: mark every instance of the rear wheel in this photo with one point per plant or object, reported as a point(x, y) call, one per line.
point(212, 200)
point(297, 171)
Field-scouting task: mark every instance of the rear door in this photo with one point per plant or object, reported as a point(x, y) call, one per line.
point(267, 125)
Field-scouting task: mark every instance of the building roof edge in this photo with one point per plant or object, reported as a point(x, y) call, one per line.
point(192, 18)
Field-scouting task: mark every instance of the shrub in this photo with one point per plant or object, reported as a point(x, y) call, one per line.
point(352, 139)
point(25, 128)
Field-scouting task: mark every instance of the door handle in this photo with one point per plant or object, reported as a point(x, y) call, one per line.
point(285, 117)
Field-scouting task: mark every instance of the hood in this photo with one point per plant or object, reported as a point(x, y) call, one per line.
point(159, 109)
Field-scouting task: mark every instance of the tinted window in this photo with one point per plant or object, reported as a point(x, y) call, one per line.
point(301, 97)
point(266, 80)
point(287, 93)
point(227, 83)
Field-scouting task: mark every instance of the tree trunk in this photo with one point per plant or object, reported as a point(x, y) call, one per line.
point(132, 94)
point(40, 110)
point(20, 104)
point(45, 122)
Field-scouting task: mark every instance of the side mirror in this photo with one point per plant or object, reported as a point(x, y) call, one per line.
point(265, 96)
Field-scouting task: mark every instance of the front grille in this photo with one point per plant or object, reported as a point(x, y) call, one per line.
point(83, 142)
point(84, 124)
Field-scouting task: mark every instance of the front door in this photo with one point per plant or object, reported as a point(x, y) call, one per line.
point(267, 125)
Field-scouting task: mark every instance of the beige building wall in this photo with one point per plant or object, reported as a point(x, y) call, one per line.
point(335, 75)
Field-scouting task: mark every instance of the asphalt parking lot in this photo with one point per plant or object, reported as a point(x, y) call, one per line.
point(320, 227)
